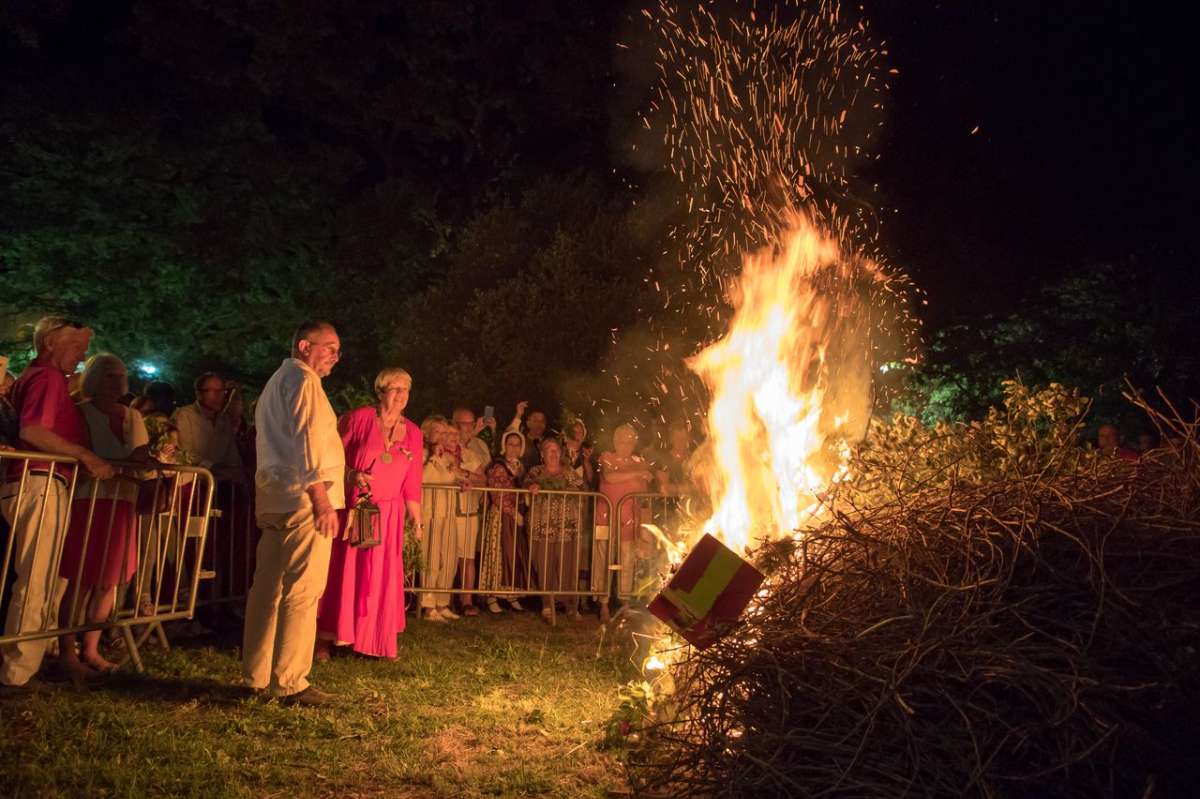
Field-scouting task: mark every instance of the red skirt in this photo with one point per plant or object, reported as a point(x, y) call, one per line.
point(111, 556)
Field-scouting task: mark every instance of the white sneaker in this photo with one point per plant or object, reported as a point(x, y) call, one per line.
point(448, 614)
point(434, 615)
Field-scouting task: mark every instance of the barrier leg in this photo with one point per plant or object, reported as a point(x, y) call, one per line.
point(132, 648)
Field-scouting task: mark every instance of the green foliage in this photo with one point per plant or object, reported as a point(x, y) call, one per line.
point(528, 302)
point(350, 395)
point(404, 180)
point(1034, 432)
point(105, 224)
point(413, 559)
point(634, 712)
point(1090, 330)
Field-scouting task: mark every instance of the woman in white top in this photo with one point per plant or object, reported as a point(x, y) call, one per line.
point(100, 555)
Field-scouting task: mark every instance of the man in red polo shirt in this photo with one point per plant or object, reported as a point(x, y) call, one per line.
point(49, 422)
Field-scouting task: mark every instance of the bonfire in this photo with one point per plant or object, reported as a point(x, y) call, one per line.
point(986, 610)
point(974, 609)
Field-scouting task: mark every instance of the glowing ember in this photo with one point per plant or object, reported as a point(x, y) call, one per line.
point(752, 108)
point(790, 384)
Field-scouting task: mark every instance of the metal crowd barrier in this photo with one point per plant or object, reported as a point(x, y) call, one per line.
point(638, 565)
point(228, 561)
point(544, 544)
point(134, 542)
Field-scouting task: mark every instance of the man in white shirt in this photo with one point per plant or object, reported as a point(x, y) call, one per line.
point(206, 432)
point(299, 487)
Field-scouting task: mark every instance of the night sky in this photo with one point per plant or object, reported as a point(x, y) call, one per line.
point(1082, 152)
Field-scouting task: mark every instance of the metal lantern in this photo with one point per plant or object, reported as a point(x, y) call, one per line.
point(363, 529)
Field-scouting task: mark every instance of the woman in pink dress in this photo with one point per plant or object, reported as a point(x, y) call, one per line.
point(363, 605)
point(622, 472)
point(99, 556)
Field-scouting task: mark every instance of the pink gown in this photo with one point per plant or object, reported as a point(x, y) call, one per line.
point(629, 510)
point(363, 603)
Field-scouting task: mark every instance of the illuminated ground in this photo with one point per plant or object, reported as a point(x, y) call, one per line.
point(482, 707)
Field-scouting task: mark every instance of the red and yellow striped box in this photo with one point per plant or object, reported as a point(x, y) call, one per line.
point(709, 591)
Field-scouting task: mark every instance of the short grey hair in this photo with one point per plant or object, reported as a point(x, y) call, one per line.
point(94, 370)
point(429, 422)
point(625, 429)
point(388, 376)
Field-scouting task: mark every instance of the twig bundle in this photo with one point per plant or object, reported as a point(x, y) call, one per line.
point(1031, 636)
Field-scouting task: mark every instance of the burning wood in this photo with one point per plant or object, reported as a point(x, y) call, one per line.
point(1028, 628)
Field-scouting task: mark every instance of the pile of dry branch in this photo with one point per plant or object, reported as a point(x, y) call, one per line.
point(1030, 636)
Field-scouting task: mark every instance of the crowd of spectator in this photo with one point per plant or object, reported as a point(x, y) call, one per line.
point(308, 472)
point(508, 518)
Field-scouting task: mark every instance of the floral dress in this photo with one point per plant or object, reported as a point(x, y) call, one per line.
point(554, 527)
point(504, 547)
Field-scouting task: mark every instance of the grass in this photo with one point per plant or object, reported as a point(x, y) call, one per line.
point(485, 707)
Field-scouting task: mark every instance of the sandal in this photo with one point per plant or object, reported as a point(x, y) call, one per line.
point(515, 604)
point(493, 606)
point(470, 610)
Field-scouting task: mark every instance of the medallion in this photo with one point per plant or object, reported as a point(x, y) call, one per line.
point(386, 457)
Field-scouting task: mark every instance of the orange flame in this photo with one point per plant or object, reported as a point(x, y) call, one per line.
point(790, 384)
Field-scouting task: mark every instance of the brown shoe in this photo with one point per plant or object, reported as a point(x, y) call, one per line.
point(310, 697)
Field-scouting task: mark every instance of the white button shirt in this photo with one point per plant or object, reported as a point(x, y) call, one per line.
point(210, 440)
point(297, 442)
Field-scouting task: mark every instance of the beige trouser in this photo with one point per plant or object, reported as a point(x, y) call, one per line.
point(626, 558)
point(468, 519)
point(38, 526)
point(281, 608)
point(441, 545)
point(600, 574)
